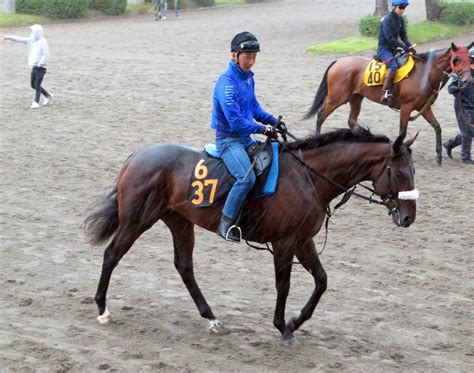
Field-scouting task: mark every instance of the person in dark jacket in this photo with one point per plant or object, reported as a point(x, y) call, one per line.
point(464, 109)
point(392, 35)
point(234, 112)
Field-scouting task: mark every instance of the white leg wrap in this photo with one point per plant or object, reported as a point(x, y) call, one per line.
point(409, 194)
point(214, 324)
point(104, 318)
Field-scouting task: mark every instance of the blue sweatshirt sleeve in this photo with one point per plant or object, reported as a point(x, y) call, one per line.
point(403, 33)
point(227, 95)
point(453, 87)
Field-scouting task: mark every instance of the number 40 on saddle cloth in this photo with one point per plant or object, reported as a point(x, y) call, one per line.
point(376, 70)
point(210, 180)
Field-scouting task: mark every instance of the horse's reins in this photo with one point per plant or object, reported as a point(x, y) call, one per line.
point(348, 192)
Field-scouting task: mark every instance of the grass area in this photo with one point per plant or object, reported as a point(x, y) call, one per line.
point(222, 2)
point(9, 20)
point(141, 8)
point(421, 32)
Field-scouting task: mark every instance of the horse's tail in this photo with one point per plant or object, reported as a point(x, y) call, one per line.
point(102, 224)
point(320, 95)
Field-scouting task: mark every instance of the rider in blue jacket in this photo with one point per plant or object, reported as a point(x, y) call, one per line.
point(235, 108)
point(392, 27)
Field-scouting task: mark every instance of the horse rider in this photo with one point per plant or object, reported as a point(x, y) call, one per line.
point(464, 109)
point(392, 27)
point(234, 110)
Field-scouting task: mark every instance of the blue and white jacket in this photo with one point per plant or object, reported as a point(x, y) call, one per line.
point(392, 26)
point(235, 106)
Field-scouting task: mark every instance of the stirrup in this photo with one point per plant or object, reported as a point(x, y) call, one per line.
point(229, 232)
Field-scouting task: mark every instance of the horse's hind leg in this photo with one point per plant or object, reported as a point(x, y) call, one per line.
point(355, 103)
point(308, 257)
point(119, 246)
point(182, 231)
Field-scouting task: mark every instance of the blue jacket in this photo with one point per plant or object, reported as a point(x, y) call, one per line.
point(392, 26)
point(463, 97)
point(235, 106)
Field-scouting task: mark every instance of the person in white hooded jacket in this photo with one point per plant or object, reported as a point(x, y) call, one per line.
point(37, 60)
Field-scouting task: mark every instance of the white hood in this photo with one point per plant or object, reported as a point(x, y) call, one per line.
point(37, 31)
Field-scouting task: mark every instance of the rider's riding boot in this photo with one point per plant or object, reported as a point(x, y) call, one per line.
point(224, 230)
point(387, 96)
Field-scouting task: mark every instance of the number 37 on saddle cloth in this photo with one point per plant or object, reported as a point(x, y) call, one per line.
point(376, 70)
point(210, 180)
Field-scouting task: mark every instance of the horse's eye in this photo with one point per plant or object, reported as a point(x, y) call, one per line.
point(400, 175)
point(456, 61)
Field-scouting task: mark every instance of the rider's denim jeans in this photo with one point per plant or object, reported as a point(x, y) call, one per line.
point(232, 151)
point(386, 55)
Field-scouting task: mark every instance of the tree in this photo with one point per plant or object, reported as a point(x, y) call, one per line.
point(432, 10)
point(381, 7)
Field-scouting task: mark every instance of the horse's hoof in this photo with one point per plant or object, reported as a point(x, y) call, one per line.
point(217, 328)
point(104, 318)
point(291, 342)
point(439, 160)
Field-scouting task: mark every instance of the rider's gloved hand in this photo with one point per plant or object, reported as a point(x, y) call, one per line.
point(270, 131)
point(281, 126)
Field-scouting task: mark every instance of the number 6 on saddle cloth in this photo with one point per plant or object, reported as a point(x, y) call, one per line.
point(211, 181)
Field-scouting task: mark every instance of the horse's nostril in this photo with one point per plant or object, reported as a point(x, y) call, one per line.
point(407, 220)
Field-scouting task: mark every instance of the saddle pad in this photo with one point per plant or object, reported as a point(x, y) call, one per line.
point(375, 72)
point(211, 180)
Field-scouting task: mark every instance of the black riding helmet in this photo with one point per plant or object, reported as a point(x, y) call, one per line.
point(244, 42)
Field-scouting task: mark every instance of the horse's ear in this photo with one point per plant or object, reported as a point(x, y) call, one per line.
point(397, 145)
point(470, 45)
point(454, 47)
point(410, 142)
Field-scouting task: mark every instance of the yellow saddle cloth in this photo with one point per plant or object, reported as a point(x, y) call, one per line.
point(375, 72)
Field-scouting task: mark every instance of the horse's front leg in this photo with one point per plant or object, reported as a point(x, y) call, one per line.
point(431, 119)
point(283, 260)
point(308, 257)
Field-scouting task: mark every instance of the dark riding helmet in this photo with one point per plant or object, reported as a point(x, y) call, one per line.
point(400, 3)
point(244, 42)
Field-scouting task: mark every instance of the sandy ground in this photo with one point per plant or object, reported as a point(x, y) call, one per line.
point(397, 300)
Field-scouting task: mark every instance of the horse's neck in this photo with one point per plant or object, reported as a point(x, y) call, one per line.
point(350, 164)
point(438, 72)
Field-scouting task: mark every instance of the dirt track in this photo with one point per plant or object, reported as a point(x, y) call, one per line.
point(397, 300)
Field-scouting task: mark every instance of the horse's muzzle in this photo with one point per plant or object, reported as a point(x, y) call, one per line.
point(404, 212)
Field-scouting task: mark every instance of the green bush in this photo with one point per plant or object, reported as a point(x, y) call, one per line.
point(457, 13)
point(369, 25)
point(204, 2)
point(54, 8)
point(110, 7)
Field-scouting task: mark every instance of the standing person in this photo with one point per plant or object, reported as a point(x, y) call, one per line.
point(163, 4)
point(392, 27)
point(464, 109)
point(37, 60)
point(234, 110)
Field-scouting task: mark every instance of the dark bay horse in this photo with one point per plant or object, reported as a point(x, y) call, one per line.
point(343, 82)
point(154, 184)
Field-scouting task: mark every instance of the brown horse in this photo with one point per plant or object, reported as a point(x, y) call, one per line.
point(343, 82)
point(154, 184)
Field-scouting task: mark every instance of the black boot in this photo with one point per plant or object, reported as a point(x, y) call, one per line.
point(226, 231)
point(387, 96)
point(451, 143)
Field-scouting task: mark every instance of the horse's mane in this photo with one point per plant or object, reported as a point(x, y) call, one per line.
point(431, 54)
point(340, 135)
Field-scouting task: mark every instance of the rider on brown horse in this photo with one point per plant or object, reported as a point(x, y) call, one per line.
point(392, 26)
point(235, 108)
